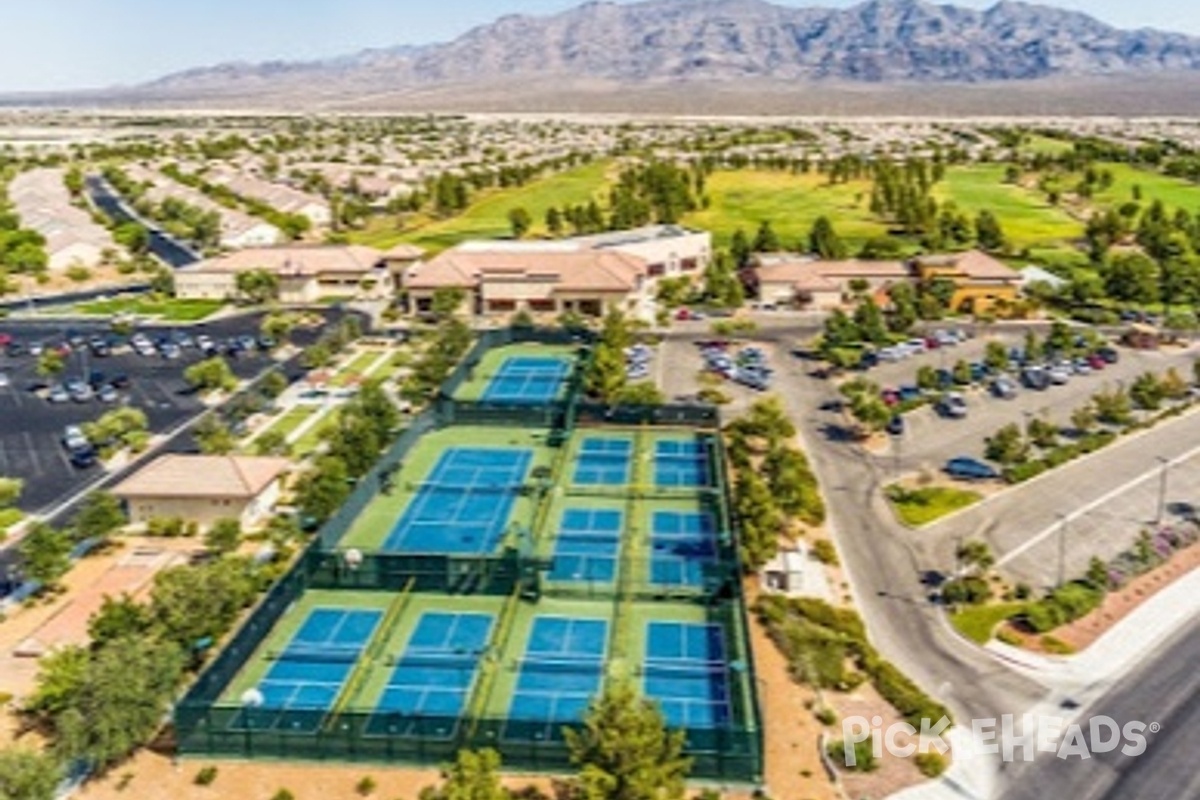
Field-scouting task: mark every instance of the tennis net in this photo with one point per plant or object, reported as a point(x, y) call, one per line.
point(578, 665)
point(438, 660)
point(331, 655)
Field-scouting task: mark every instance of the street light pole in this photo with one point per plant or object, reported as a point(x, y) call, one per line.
point(1062, 549)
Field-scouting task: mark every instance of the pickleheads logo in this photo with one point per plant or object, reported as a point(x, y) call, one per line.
point(1012, 738)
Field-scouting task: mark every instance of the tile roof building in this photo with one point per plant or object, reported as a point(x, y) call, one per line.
point(43, 204)
point(204, 489)
point(307, 273)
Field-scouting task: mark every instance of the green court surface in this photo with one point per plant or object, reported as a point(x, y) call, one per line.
point(477, 382)
point(376, 523)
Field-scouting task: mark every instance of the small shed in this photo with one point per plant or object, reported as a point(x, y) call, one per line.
point(795, 573)
point(1141, 336)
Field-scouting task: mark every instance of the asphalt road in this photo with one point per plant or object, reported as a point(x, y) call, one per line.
point(1164, 691)
point(165, 248)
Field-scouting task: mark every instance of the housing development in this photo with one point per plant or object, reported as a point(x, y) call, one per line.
point(348, 451)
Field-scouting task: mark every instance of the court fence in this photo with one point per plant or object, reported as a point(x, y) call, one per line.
point(204, 725)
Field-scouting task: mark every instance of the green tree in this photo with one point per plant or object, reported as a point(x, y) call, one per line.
point(1132, 277)
point(793, 484)
point(1113, 407)
point(740, 249)
point(1083, 419)
point(210, 375)
point(759, 518)
point(1097, 574)
point(118, 618)
point(1042, 433)
point(257, 286)
point(447, 301)
point(472, 776)
point(45, 553)
point(99, 516)
point(1146, 391)
point(519, 222)
point(554, 221)
point(278, 326)
point(28, 774)
point(824, 240)
point(988, 232)
point(927, 378)
point(1034, 349)
point(1006, 446)
point(10, 491)
point(126, 692)
point(721, 284)
point(213, 437)
point(607, 376)
point(765, 240)
point(192, 603)
point(50, 363)
point(323, 489)
point(223, 536)
point(996, 356)
point(625, 751)
point(869, 322)
point(1173, 386)
point(962, 372)
point(643, 393)
point(976, 555)
point(272, 443)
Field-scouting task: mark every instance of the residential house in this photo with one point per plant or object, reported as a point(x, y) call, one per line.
point(204, 489)
point(823, 285)
point(43, 204)
point(280, 197)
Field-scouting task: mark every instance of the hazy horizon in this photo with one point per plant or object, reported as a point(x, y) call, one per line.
point(79, 44)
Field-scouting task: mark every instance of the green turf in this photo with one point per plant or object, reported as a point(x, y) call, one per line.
point(292, 419)
point(354, 371)
point(791, 203)
point(171, 310)
point(977, 622)
point(1173, 192)
point(8, 518)
point(487, 216)
point(1044, 145)
point(477, 382)
point(375, 524)
point(1027, 219)
point(307, 444)
point(923, 506)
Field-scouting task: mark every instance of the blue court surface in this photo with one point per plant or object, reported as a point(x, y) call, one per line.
point(682, 544)
point(686, 674)
point(432, 680)
point(680, 464)
point(603, 462)
point(465, 503)
point(307, 677)
point(527, 380)
point(589, 541)
point(561, 672)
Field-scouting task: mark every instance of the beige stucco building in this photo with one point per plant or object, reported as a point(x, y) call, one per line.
point(204, 489)
point(306, 273)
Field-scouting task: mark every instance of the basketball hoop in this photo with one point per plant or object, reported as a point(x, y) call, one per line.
point(354, 559)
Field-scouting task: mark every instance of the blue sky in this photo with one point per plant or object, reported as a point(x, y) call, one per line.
point(58, 44)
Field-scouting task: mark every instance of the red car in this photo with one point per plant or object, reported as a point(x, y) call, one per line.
point(890, 397)
point(5, 339)
point(1096, 362)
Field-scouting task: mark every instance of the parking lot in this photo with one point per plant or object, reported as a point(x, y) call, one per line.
point(930, 439)
point(31, 427)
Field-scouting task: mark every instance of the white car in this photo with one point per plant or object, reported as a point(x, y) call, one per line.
point(4, 380)
point(73, 438)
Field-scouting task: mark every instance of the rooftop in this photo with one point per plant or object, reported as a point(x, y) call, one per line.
point(178, 475)
point(297, 260)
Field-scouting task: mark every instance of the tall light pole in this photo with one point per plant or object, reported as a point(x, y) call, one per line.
point(1062, 548)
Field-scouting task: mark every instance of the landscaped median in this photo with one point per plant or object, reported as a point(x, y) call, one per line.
point(167, 309)
point(926, 504)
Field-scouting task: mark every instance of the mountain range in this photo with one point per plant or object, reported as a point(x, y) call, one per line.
point(657, 45)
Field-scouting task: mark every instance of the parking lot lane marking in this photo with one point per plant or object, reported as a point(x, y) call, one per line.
point(33, 454)
point(4, 465)
point(1151, 474)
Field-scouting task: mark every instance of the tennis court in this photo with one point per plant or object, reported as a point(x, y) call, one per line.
point(680, 464)
point(561, 671)
point(465, 503)
point(682, 544)
point(308, 675)
point(527, 380)
point(433, 679)
point(603, 461)
point(685, 673)
point(589, 541)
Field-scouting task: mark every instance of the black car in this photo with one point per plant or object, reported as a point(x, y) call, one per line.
point(14, 349)
point(120, 381)
point(1109, 354)
point(83, 457)
point(895, 425)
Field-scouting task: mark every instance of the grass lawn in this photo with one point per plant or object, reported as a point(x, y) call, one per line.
point(1027, 219)
point(169, 309)
point(1174, 193)
point(306, 444)
point(487, 217)
point(354, 370)
point(293, 419)
point(919, 507)
point(791, 203)
point(977, 622)
point(1046, 146)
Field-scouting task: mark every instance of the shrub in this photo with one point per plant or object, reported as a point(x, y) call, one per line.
point(1009, 637)
point(365, 786)
point(205, 776)
point(971, 590)
point(824, 551)
point(864, 756)
point(1056, 646)
point(827, 716)
point(283, 794)
point(931, 764)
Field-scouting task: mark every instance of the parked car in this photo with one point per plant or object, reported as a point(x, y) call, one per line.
point(970, 469)
point(4, 381)
point(1096, 362)
point(1035, 378)
point(83, 457)
point(895, 425)
point(58, 394)
point(73, 438)
point(107, 393)
point(1059, 374)
point(1109, 355)
point(1005, 388)
point(953, 406)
